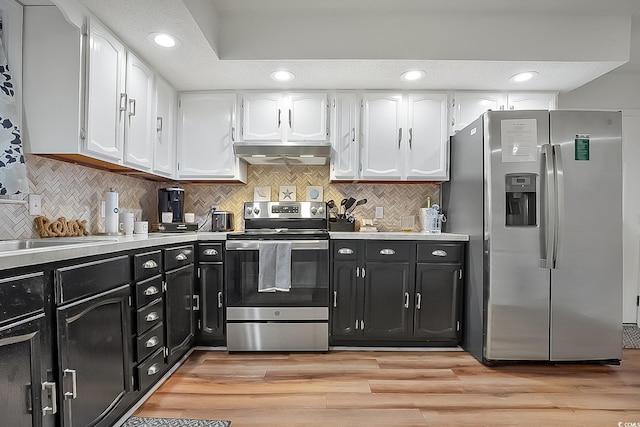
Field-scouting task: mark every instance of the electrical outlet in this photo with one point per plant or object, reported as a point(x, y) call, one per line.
point(379, 212)
point(35, 204)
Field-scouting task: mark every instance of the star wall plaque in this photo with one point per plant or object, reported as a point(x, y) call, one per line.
point(287, 193)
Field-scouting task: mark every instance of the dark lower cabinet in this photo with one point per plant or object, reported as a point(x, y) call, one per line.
point(438, 302)
point(179, 310)
point(28, 392)
point(211, 329)
point(387, 290)
point(94, 357)
point(396, 292)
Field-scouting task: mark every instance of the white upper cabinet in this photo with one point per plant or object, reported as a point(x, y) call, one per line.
point(404, 137)
point(532, 101)
point(106, 97)
point(468, 106)
point(427, 148)
point(140, 119)
point(206, 131)
point(284, 117)
point(345, 138)
point(382, 127)
point(164, 149)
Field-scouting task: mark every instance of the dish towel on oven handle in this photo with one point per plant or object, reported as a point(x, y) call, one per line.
point(274, 271)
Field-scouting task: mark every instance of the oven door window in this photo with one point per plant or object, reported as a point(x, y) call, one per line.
point(309, 280)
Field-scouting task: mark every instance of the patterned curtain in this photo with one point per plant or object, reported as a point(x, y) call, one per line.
point(13, 170)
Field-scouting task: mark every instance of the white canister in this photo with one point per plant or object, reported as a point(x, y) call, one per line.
point(111, 212)
point(127, 220)
point(141, 227)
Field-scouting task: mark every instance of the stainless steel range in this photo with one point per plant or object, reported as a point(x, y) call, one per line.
point(277, 278)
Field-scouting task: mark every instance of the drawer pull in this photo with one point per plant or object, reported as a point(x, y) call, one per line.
point(152, 342)
point(181, 257)
point(153, 369)
point(345, 251)
point(151, 290)
point(151, 317)
point(387, 252)
point(149, 264)
point(439, 252)
point(210, 252)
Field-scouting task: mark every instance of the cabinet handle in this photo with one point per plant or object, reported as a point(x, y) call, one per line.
point(399, 137)
point(53, 409)
point(158, 124)
point(220, 299)
point(410, 137)
point(289, 118)
point(419, 300)
point(387, 252)
point(123, 102)
point(210, 252)
point(149, 264)
point(153, 369)
point(345, 251)
point(151, 316)
point(233, 134)
point(406, 300)
point(439, 252)
point(356, 324)
point(362, 271)
point(151, 290)
point(353, 134)
point(196, 306)
point(362, 325)
point(335, 298)
point(279, 112)
point(74, 384)
point(152, 342)
point(132, 107)
point(181, 257)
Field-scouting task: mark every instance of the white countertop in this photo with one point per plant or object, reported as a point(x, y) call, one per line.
point(101, 244)
point(397, 235)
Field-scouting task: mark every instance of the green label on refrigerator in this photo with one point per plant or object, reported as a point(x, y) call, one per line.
point(581, 147)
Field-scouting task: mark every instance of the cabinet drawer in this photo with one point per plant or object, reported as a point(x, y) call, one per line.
point(151, 370)
point(440, 252)
point(91, 278)
point(150, 341)
point(150, 315)
point(345, 250)
point(147, 264)
point(210, 252)
point(388, 251)
point(177, 257)
point(21, 296)
point(148, 290)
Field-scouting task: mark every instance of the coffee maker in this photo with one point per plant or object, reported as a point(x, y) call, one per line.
point(171, 199)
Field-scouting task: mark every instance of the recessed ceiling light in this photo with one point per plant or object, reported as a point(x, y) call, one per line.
point(282, 76)
point(412, 75)
point(163, 39)
point(523, 77)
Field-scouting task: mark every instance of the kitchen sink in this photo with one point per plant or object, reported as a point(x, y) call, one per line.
point(15, 245)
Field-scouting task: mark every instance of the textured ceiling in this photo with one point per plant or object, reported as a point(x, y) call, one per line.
point(350, 44)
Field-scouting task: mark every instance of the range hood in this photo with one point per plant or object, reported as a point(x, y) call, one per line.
point(283, 153)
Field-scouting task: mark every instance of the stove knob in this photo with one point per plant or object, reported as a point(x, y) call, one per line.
point(249, 211)
point(314, 210)
point(256, 210)
point(320, 210)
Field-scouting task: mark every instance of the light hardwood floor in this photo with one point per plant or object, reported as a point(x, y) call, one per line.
point(366, 388)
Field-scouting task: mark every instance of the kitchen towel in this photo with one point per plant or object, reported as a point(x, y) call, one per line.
point(13, 170)
point(274, 266)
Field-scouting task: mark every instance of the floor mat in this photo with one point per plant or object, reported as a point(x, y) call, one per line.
point(173, 422)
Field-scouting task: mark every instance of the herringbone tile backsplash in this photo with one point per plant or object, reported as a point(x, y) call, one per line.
point(76, 192)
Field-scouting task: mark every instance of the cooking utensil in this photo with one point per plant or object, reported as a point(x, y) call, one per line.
point(350, 202)
point(358, 203)
point(342, 203)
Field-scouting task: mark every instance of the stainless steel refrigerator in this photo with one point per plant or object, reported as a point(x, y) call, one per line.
point(540, 194)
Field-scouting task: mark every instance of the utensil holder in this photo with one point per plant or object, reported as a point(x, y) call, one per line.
point(342, 225)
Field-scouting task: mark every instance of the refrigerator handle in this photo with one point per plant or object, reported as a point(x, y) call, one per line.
point(548, 207)
point(557, 154)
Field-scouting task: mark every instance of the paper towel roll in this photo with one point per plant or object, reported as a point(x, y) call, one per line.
point(111, 213)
